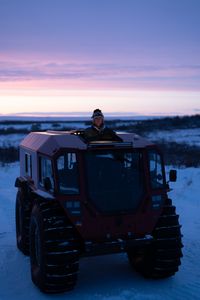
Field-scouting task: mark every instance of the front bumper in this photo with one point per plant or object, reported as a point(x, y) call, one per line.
point(115, 246)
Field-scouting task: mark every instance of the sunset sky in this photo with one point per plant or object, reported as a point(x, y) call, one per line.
point(138, 57)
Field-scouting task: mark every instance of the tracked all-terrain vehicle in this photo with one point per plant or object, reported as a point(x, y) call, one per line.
point(80, 199)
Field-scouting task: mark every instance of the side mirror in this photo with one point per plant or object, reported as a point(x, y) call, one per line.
point(47, 183)
point(172, 175)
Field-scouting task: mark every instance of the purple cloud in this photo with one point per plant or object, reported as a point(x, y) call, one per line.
point(174, 76)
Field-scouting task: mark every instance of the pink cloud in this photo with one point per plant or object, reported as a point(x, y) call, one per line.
point(82, 75)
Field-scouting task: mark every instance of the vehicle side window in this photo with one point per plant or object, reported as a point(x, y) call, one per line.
point(28, 164)
point(68, 174)
point(46, 173)
point(156, 170)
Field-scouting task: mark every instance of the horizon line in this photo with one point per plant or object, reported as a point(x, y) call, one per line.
point(87, 115)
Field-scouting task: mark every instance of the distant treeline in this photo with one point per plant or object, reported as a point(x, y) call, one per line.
point(132, 125)
point(9, 155)
point(174, 154)
point(167, 123)
point(24, 122)
point(34, 127)
point(177, 154)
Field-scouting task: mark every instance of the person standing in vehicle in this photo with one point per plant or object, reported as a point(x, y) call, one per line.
point(98, 131)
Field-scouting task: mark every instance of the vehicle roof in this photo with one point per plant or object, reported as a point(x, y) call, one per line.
point(50, 142)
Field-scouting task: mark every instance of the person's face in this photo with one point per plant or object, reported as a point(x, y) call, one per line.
point(98, 122)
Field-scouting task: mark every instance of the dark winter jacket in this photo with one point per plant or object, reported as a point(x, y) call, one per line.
point(103, 134)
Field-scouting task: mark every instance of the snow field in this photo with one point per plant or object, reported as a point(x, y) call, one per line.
point(189, 136)
point(107, 277)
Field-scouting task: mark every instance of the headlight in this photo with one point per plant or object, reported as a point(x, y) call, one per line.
point(73, 207)
point(157, 201)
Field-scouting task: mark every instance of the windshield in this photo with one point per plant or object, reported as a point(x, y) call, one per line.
point(67, 174)
point(156, 170)
point(114, 179)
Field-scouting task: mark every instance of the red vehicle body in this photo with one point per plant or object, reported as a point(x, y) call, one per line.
point(94, 198)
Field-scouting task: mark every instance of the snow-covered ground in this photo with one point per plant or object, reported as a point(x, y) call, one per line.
point(8, 140)
point(107, 277)
point(43, 126)
point(11, 140)
point(189, 136)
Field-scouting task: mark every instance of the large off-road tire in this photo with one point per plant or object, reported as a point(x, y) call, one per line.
point(22, 218)
point(54, 249)
point(162, 258)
